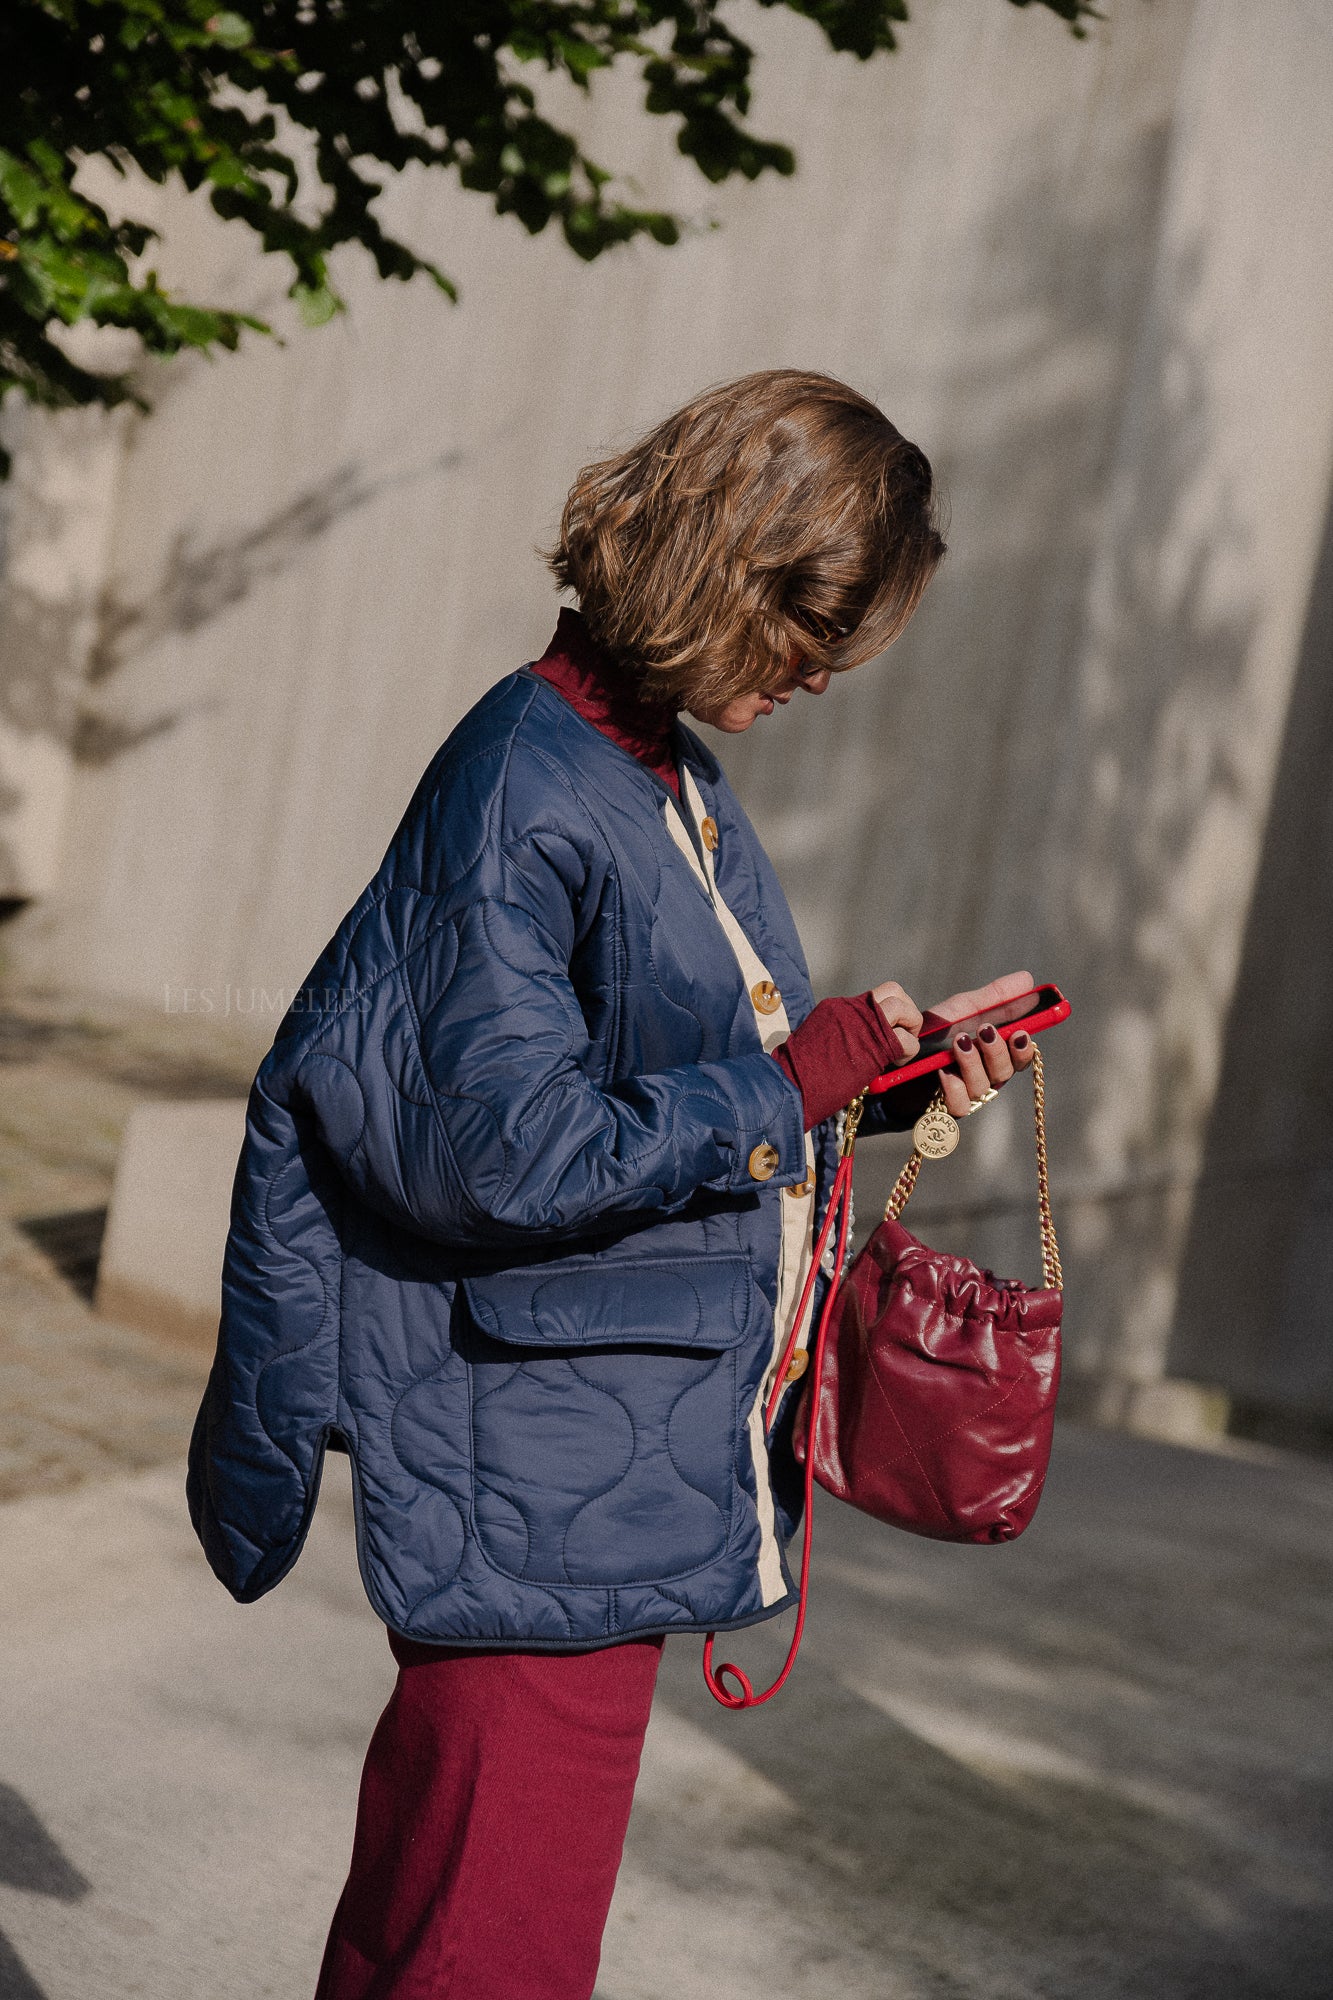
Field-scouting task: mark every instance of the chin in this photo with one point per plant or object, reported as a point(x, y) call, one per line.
point(742, 718)
point(736, 716)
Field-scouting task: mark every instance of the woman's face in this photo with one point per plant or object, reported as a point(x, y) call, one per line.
point(743, 709)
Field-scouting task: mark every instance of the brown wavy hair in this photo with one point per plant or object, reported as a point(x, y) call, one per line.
point(782, 510)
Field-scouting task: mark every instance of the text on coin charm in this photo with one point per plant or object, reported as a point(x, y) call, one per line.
point(935, 1133)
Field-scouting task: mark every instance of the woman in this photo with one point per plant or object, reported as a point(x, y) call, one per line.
point(530, 1181)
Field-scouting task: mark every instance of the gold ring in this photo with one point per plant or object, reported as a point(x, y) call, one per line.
point(977, 1102)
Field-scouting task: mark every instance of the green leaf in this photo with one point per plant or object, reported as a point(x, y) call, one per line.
point(21, 191)
point(231, 30)
point(317, 304)
point(295, 142)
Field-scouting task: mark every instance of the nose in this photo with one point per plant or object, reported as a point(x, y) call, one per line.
point(817, 682)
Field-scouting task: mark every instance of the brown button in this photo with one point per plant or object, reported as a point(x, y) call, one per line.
point(797, 1366)
point(766, 997)
point(801, 1187)
point(764, 1161)
point(708, 828)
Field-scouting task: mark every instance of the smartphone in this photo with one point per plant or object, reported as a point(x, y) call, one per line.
point(1032, 1012)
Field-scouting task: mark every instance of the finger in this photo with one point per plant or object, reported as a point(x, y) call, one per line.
point(971, 1068)
point(903, 1047)
point(1022, 1048)
point(960, 1005)
point(899, 1008)
point(980, 998)
point(995, 1055)
point(956, 1100)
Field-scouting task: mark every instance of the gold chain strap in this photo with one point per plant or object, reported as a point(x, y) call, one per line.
point(1052, 1275)
point(904, 1184)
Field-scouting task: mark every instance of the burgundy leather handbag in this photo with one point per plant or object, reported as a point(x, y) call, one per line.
point(930, 1397)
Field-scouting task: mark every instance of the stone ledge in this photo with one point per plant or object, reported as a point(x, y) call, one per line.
point(161, 1263)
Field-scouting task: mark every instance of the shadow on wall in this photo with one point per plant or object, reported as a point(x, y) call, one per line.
point(903, 792)
point(30, 1860)
point(58, 664)
point(1256, 1301)
point(199, 584)
point(1037, 774)
point(1149, 819)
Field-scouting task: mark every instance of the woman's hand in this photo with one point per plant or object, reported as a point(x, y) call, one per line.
point(984, 1064)
point(902, 1014)
point(978, 1066)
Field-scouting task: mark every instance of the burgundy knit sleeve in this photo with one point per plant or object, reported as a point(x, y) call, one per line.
point(840, 1046)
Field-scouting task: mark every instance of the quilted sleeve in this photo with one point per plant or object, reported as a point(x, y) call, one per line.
point(460, 1103)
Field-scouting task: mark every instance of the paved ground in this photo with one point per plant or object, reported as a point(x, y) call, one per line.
point(1099, 1763)
point(81, 1396)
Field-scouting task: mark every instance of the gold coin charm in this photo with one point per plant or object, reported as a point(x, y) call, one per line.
point(935, 1133)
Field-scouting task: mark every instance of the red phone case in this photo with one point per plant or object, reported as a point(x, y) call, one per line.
point(1054, 1008)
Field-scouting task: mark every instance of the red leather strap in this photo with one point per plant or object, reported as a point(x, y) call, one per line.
point(839, 1205)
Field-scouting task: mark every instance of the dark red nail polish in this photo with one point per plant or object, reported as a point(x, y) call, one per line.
point(988, 1033)
point(963, 1042)
point(1020, 1042)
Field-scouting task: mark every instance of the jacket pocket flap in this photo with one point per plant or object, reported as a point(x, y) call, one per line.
point(702, 1302)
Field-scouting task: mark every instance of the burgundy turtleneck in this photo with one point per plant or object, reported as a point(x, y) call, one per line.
point(575, 665)
point(842, 1043)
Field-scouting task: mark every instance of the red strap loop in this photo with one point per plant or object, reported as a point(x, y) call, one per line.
point(839, 1205)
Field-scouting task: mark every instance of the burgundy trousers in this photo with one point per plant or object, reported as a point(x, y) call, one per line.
point(494, 1801)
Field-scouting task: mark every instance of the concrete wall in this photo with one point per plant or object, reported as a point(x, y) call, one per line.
point(57, 519)
point(1093, 280)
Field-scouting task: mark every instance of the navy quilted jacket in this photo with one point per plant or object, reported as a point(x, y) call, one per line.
point(506, 1222)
